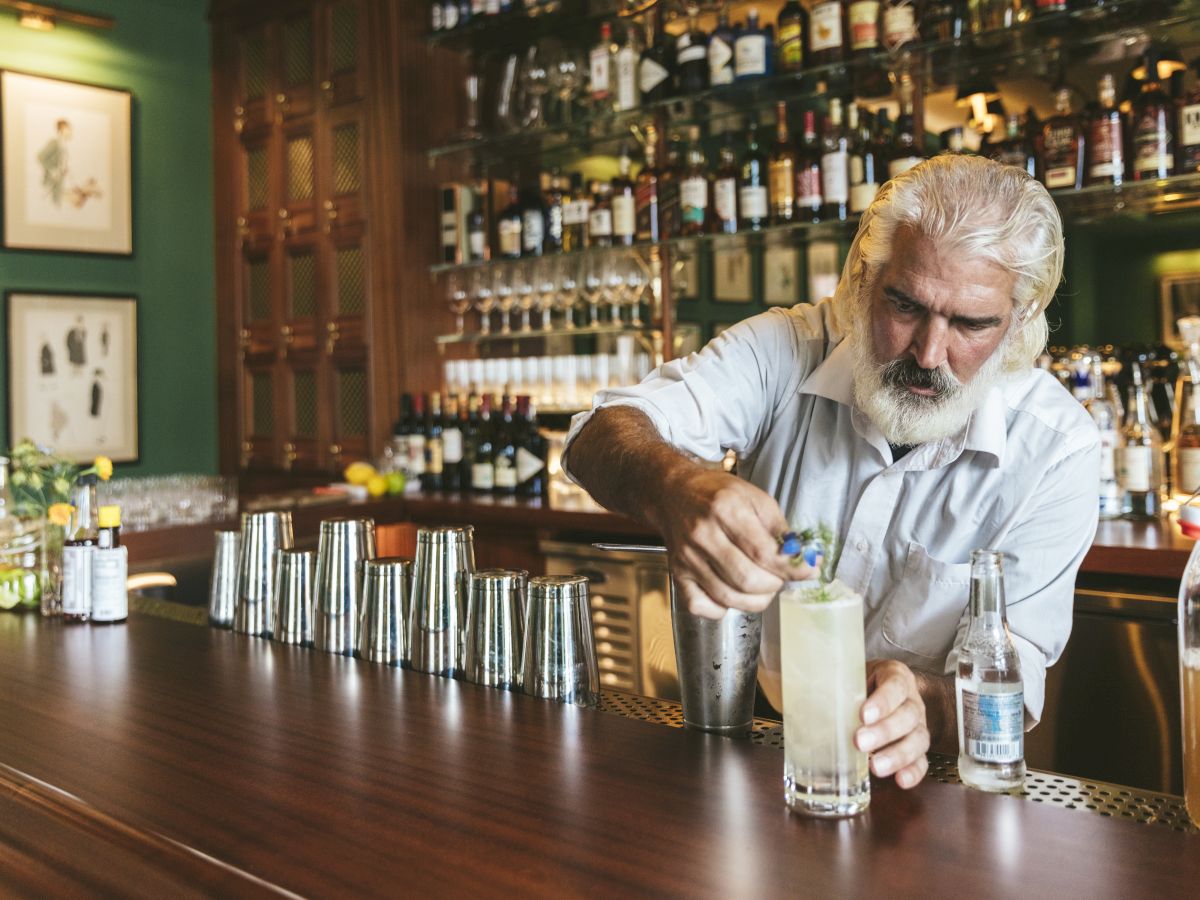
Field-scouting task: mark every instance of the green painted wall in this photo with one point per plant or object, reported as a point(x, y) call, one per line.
point(159, 50)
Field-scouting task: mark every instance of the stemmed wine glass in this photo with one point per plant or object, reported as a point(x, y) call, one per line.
point(526, 290)
point(568, 290)
point(614, 285)
point(565, 78)
point(547, 287)
point(483, 298)
point(637, 282)
point(593, 285)
point(534, 80)
point(505, 297)
point(459, 299)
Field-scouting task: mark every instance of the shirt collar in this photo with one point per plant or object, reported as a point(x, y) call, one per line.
point(833, 379)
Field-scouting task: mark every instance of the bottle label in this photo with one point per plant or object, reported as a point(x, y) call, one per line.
point(1189, 469)
point(575, 212)
point(506, 473)
point(725, 199)
point(688, 52)
point(532, 230)
point(510, 237)
point(600, 222)
point(750, 55)
point(864, 25)
point(826, 26)
point(835, 177)
point(1152, 150)
point(650, 75)
point(599, 71)
point(1060, 176)
point(528, 465)
point(450, 17)
point(1133, 468)
point(434, 456)
point(647, 211)
point(899, 24)
point(781, 176)
point(452, 447)
point(1106, 151)
point(693, 195)
point(720, 55)
point(626, 79)
point(437, 17)
point(416, 454)
point(993, 726)
point(483, 476)
point(1108, 456)
point(477, 245)
point(110, 600)
point(753, 201)
point(862, 196)
point(791, 45)
point(624, 220)
point(491, 7)
point(1189, 126)
point(903, 164)
point(808, 187)
point(77, 580)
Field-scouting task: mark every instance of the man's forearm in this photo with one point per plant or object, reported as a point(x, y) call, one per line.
point(941, 717)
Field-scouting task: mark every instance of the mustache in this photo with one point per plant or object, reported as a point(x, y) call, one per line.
point(902, 373)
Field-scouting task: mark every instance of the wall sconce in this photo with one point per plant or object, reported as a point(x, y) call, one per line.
point(41, 17)
point(976, 93)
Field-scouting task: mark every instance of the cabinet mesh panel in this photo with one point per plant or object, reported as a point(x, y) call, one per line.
point(351, 281)
point(298, 52)
point(256, 178)
point(259, 306)
point(352, 391)
point(254, 64)
point(303, 280)
point(343, 49)
point(300, 168)
point(345, 159)
point(262, 418)
point(304, 399)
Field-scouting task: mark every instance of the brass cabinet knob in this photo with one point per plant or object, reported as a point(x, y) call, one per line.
point(333, 335)
point(244, 339)
point(239, 119)
point(327, 91)
point(331, 214)
point(247, 448)
point(289, 455)
point(335, 450)
point(288, 334)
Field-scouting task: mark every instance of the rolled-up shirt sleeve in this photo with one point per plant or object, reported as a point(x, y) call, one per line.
point(722, 397)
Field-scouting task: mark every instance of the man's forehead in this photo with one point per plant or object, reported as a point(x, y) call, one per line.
point(945, 278)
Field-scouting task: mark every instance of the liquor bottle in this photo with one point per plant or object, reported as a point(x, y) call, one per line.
point(826, 33)
point(751, 50)
point(720, 51)
point(449, 14)
point(531, 451)
point(883, 140)
point(575, 214)
point(416, 443)
point(781, 170)
point(753, 201)
point(504, 453)
point(906, 145)
point(694, 188)
point(1014, 150)
point(79, 547)
point(989, 690)
point(725, 188)
point(947, 23)
point(1139, 456)
point(1106, 138)
point(452, 446)
point(862, 19)
point(792, 33)
point(809, 200)
point(600, 218)
point(477, 248)
point(1047, 7)
point(1185, 421)
point(654, 68)
point(1153, 128)
point(437, 16)
point(533, 221)
point(110, 567)
point(670, 212)
point(1063, 145)
point(509, 226)
point(449, 221)
point(482, 469)
point(898, 22)
point(835, 165)
point(1105, 417)
point(435, 451)
point(646, 211)
point(626, 94)
point(400, 434)
point(866, 165)
point(1189, 128)
point(464, 12)
point(600, 67)
point(552, 200)
point(952, 141)
point(691, 57)
point(624, 210)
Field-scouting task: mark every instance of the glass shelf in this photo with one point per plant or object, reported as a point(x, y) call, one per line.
point(1025, 46)
point(577, 331)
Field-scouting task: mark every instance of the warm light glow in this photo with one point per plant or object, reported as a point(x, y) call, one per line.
point(979, 107)
point(37, 21)
point(149, 580)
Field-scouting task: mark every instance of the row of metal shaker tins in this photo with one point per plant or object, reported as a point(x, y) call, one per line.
point(437, 614)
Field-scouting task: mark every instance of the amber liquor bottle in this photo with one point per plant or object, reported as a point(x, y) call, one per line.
point(1062, 145)
point(1153, 129)
point(646, 192)
point(1106, 139)
point(781, 170)
point(624, 210)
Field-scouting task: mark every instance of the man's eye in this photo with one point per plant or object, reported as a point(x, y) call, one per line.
point(904, 306)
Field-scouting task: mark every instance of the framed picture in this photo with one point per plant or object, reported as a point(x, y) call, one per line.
point(781, 266)
point(1179, 296)
point(823, 269)
point(67, 168)
point(72, 373)
point(731, 275)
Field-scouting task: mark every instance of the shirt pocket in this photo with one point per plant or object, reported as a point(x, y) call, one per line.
point(924, 609)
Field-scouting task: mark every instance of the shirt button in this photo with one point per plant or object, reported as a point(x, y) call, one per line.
point(860, 546)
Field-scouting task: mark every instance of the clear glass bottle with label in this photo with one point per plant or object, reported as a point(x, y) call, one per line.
point(835, 165)
point(625, 73)
point(725, 188)
point(1140, 455)
point(988, 686)
point(906, 150)
point(1105, 417)
point(110, 565)
point(1062, 145)
point(575, 214)
point(79, 547)
point(600, 67)
point(1185, 421)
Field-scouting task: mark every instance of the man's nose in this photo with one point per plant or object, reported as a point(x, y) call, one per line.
point(929, 343)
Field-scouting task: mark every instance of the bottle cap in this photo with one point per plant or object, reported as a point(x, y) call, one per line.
point(110, 517)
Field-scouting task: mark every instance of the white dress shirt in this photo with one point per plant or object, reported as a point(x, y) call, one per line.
point(1022, 476)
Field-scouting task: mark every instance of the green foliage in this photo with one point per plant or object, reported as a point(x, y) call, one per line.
point(830, 550)
point(39, 478)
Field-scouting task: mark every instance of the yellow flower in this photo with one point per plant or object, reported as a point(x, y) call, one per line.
point(35, 481)
point(60, 513)
point(104, 467)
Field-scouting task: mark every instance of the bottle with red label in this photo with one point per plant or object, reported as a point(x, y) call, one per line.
point(1063, 145)
point(809, 199)
point(1152, 127)
point(1106, 139)
point(862, 19)
point(725, 188)
point(898, 23)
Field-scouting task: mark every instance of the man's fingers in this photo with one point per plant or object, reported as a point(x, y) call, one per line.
point(694, 564)
point(902, 754)
point(891, 689)
point(732, 566)
point(908, 715)
point(752, 521)
point(910, 776)
point(697, 601)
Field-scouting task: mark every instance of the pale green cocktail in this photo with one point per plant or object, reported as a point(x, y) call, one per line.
point(824, 686)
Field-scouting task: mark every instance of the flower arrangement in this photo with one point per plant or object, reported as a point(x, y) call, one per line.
point(41, 481)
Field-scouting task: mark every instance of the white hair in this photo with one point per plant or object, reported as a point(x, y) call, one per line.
point(981, 209)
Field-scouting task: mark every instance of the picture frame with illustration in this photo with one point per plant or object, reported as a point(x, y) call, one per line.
point(72, 373)
point(1178, 296)
point(66, 160)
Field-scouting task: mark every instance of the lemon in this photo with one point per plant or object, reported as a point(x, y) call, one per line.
point(359, 472)
point(377, 486)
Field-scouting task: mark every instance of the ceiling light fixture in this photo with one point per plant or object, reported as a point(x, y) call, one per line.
point(44, 17)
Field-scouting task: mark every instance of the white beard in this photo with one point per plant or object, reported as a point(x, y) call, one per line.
point(909, 419)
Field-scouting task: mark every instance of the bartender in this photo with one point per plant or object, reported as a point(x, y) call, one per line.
point(905, 413)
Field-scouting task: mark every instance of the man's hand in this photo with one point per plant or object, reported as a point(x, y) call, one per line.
point(894, 725)
point(722, 534)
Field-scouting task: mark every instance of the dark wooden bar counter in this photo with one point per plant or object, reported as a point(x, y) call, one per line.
point(270, 767)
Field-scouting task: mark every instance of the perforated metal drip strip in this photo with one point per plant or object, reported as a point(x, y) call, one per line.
point(1095, 797)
